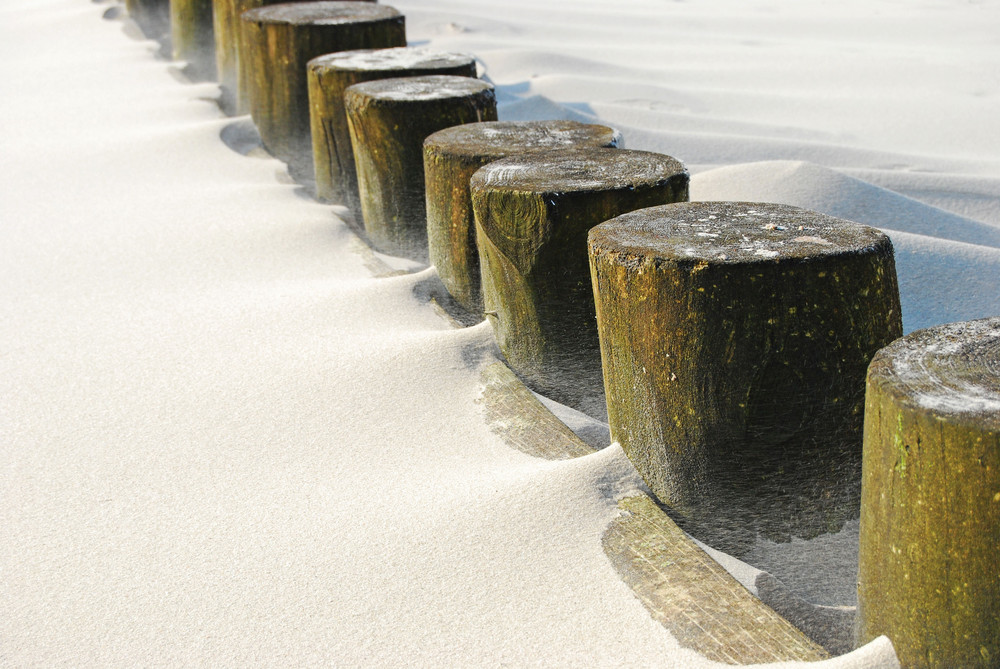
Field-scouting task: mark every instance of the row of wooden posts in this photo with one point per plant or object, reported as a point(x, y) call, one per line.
point(732, 340)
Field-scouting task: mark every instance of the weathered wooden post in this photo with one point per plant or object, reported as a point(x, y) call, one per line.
point(329, 76)
point(278, 41)
point(389, 120)
point(929, 563)
point(152, 16)
point(192, 36)
point(735, 339)
point(227, 27)
point(451, 156)
point(532, 215)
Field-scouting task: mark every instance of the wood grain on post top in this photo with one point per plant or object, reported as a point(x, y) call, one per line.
point(735, 339)
point(452, 155)
point(929, 573)
point(329, 76)
point(389, 119)
point(532, 215)
point(278, 42)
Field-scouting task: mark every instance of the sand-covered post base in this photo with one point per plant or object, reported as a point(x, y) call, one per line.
point(735, 339)
point(532, 215)
point(329, 76)
point(152, 16)
point(277, 43)
point(929, 563)
point(451, 156)
point(192, 36)
point(389, 120)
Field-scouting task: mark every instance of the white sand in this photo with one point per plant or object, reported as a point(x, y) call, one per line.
point(223, 443)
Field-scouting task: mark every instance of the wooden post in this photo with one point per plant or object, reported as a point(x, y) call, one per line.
point(279, 40)
point(227, 27)
point(735, 339)
point(451, 156)
point(192, 36)
point(929, 563)
point(329, 76)
point(532, 215)
point(389, 120)
point(152, 17)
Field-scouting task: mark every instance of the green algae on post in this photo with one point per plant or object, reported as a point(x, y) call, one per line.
point(735, 339)
point(929, 571)
point(451, 156)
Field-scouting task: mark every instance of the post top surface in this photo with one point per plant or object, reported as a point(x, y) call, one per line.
point(388, 60)
point(321, 13)
point(417, 89)
point(952, 370)
point(733, 233)
point(501, 138)
point(575, 170)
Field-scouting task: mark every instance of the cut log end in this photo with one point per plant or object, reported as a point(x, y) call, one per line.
point(486, 142)
point(398, 59)
point(578, 171)
point(413, 90)
point(320, 13)
point(734, 233)
point(951, 371)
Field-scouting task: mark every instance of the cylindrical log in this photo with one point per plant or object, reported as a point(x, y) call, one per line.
point(735, 339)
point(152, 16)
point(278, 41)
point(451, 156)
point(532, 215)
point(389, 120)
point(227, 27)
point(192, 36)
point(929, 563)
point(329, 76)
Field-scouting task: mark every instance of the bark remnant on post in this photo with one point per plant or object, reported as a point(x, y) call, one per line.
point(532, 216)
point(389, 120)
point(278, 41)
point(329, 76)
point(929, 566)
point(192, 36)
point(451, 156)
point(735, 339)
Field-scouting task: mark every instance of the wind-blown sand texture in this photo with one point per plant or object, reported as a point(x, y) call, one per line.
point(224, 442)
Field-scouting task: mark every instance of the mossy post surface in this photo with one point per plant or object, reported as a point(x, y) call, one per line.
point(329, 76)
point(929, 563)
point(152, 16)
point(389, 120)
point(278, 42)
point(532, 215)
point(451, 156)
point(735, 339)
point(193, 37)
point(228, 27)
